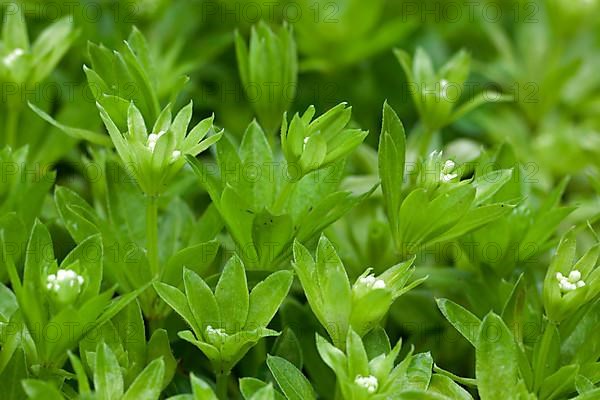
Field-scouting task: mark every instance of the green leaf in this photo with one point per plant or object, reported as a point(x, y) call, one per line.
point(249, 386)
point(289, 347)
point(76, 133)
point(490, 183)
point(159, 348)
point(74, 212)
point(14, 29)
point(496, 360)
point(12, 375)
point(177, 301)
point(201, 390)
point(377, 342)
point(256, 184)
point(546, 355)
point(50, 46)
point(358, 362)
point(147, 385)
point(461, 319)
point(266, 393)
point(560, 383)
point(292, 382)
point(108, 379)
point(41, 390)
point(271, 234)
point(392, 148)
point(83, 384)
point(232, 295)
point(447, 387)
point(266, 297)
point(202, 302)
point(419, 372)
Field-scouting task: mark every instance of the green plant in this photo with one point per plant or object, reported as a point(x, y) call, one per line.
point(241, 233)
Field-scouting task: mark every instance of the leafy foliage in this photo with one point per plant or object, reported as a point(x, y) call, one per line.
point(205, 200)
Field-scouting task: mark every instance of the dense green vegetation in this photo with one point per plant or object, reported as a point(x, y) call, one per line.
point(300, 199)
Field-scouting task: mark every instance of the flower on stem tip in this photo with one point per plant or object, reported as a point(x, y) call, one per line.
point(65, 284)
point(446, 174)
point(368, 382)
point(371, 282)
point(571, 282)
point(156, 157)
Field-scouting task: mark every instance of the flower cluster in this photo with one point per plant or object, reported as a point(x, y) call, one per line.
point(66, 285)
point(368, 382)
point(571, 282)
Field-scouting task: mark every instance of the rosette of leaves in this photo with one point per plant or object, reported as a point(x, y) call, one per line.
point(266, 203)
point(556, 362)
point(268, 70)
point(124, 336)
point(154, 157)
point(433, 203)
point(340, 306)
point(523, 234)
point(332, 35)
point(309, 145)
point(65, 298)
point(368, 370)
point(436, 94)
point(107, 377)
point(24, 64)
point(226, 323)
point(118, 78)
point(570, 283)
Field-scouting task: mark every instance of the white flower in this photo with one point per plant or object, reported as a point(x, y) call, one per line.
point(447, 177)
point(65, 285)
point(215, 335)
point(176, 154)
point(371, 282)
point(570, 283)
point(11, 57)
point(448, 166)
point(63, 277)
point(446, 174)
point(152, 139)
point(218, 331)
point(368, 382)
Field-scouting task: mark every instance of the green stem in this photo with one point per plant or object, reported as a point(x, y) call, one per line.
point(426, 140)
point(222, 384)
point(12, 119)
point(284, 194)
point(152, 233)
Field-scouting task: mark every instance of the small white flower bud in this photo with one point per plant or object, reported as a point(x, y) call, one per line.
point(371, 282)
point(66, 285)
point(571, 282)
point(368, 382)
point(574, 275)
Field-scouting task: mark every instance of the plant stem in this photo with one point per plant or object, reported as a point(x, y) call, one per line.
point(222, 384)
point(284, 194)
point(428, 134)
point(12, 119)
point(152, 233)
